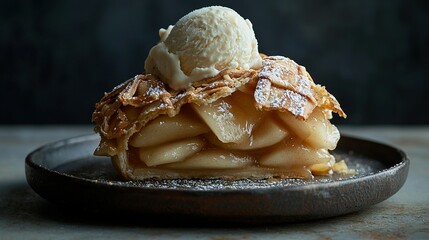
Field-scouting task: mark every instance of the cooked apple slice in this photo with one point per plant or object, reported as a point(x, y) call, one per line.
point(341, 167)
point(166, 129)
point(214, 159)
point(230, 119)
point(293, 155)
point(321, 169)
point(267, 133)
point(171, 152)
point(317, 131)
point(246, 103)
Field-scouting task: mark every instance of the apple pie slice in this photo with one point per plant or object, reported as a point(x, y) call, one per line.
point(272, 122)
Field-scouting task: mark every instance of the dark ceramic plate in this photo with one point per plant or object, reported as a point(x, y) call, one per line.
point(67, 173)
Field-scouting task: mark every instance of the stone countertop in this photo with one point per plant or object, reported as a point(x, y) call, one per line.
point(25, 215)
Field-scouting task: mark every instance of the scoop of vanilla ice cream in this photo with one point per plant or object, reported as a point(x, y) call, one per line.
point(202, 44)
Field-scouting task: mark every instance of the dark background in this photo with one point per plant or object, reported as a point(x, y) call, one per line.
point(59, 57)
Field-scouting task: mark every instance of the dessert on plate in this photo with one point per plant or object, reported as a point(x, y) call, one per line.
point(209, 105)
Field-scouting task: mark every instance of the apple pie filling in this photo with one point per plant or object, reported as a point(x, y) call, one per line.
point(231, 136)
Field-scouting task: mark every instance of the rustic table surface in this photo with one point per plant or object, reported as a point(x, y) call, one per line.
point(25, 215)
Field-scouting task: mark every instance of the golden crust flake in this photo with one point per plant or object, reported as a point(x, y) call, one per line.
point(284, 85)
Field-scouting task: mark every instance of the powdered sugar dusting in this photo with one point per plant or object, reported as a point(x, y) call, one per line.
point(282, 87)
point(303, 85)
point(262, 88)
point(297, 105)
